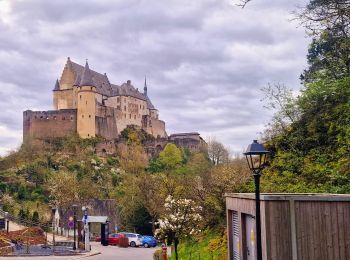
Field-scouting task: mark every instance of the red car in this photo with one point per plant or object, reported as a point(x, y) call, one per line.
point(113, 239)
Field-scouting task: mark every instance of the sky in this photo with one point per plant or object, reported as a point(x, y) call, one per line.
point(205, 60)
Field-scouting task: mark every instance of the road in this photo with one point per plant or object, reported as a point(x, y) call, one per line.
point(107, 252)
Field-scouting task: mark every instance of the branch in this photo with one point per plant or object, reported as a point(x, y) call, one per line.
point(243, 3)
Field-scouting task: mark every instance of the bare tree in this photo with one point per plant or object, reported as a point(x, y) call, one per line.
point(217, 152)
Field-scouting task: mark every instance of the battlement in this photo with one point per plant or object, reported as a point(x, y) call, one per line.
point(49, 124)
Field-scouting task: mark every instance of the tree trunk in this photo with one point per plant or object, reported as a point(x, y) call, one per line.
point(176, 242)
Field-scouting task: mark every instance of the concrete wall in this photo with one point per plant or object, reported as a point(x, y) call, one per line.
point(49, 124)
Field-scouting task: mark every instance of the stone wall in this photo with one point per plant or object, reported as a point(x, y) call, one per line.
point(49, 124)
point(64, 99)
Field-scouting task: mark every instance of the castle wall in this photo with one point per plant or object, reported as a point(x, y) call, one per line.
point(106, 121)
point(154, 126)
point(63, 99)
point(49, 124)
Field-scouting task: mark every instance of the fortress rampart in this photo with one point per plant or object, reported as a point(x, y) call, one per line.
point(49, 124)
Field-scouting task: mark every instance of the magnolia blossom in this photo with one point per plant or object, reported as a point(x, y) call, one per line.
point(182, 218)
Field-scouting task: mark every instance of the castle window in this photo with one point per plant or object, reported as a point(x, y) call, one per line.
point(41, 117)
point(82, 116)
point(91, 88)
point(86, 102)
point(80, 97)
point(63, 118)
point(143, 107)
point(88, 134)
point(124, 115)
point(89, 116)
point(130, 116)
point(118, 99)
point(118, 107)
point(124, 108)
point(134, 116)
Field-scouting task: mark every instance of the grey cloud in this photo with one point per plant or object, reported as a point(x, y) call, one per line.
point(205, 60)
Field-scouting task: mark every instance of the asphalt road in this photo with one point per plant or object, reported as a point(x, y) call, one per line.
point(107, 252)
point(113, 252)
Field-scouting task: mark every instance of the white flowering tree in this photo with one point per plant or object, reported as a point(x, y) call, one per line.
point(181, 218)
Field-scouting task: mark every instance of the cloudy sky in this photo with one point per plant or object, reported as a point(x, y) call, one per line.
point(205, 60)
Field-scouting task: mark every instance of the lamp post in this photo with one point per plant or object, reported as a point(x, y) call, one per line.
point(7, 221)
point(53, 227)
point(74, 207)
point(256, 157)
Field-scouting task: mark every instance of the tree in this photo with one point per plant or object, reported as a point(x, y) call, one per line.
point(181, 219)
point(35, 218)
point(150, 195)
point(281, 100)
point(22, 192)
point(320, 15)
point(133, 159)
point(170, 157)
point(63, 188)
point(217, 152)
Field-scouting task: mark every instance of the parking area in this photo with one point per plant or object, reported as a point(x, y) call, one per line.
point(107, 252)
point(114, 252)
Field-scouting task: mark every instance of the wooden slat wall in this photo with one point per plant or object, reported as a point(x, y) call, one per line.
point(323, 230)
point(278, 231)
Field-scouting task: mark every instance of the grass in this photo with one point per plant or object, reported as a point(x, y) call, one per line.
point(210, 245)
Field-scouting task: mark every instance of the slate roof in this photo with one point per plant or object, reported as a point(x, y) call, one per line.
point(102, 84)
point(57, 86)
point(86, 78)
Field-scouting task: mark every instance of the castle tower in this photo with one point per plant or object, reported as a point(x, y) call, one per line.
point(86, 105)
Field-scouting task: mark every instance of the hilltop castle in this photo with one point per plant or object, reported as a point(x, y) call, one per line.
point(87, 103)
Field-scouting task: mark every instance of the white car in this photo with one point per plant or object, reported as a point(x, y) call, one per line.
point(134, 239)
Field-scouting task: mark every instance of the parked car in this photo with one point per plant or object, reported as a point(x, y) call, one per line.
point(149, 241)
point(113, 239)
point(134, 239)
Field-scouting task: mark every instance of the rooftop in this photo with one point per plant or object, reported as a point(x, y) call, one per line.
point(292, 196)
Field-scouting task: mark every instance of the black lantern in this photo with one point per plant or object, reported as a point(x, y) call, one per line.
point(256, 156)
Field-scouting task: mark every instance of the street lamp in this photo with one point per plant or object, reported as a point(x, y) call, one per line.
point(74, 207)
point(53, 227)
point(256, 156)
point(7, 221)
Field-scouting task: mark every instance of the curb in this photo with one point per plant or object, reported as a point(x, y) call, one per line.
point(88, 255)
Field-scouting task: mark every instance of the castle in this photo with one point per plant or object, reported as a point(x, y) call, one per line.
point(87, 103)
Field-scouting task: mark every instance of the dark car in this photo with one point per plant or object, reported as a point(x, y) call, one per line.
point(149, 241)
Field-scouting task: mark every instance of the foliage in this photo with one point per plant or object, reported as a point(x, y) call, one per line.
point(210, 244)
point(134, 134)
point(181, 218)
point(171, 157)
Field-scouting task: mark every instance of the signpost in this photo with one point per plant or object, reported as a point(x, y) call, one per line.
point(86, 229)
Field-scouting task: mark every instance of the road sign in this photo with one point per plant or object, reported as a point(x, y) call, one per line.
point(2, 223)
point(71, 222)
